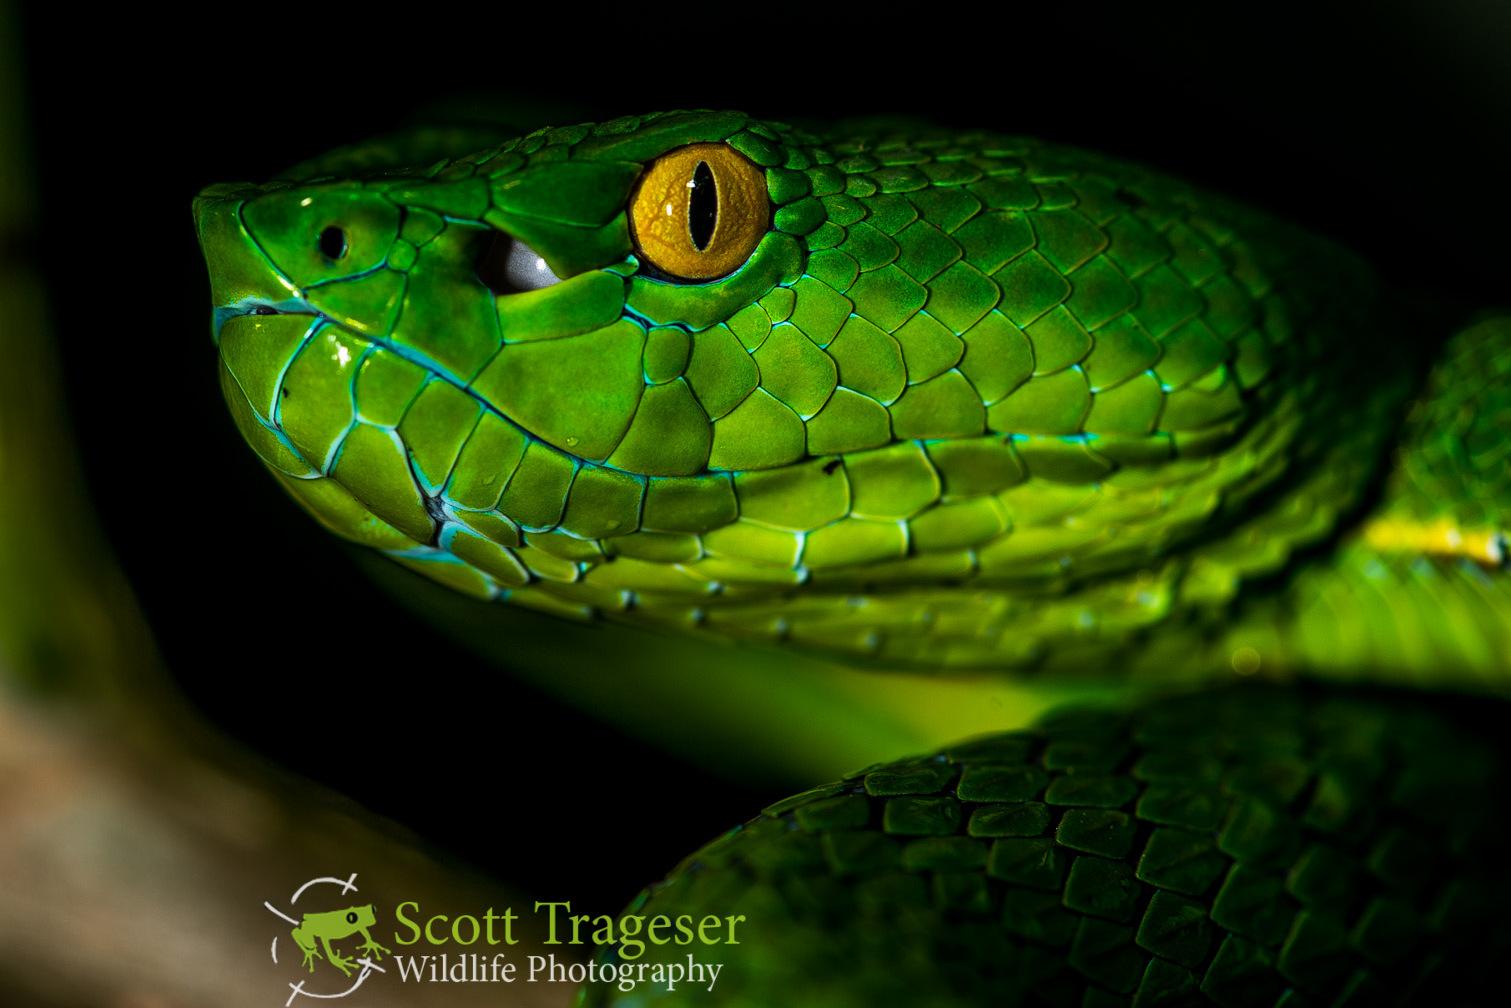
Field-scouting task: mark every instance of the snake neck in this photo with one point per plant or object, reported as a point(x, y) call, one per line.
point(1417, 588)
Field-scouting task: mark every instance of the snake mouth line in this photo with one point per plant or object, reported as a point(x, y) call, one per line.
point(258, 306)
point(262, 306)
point(319, 320)
point(436, 370)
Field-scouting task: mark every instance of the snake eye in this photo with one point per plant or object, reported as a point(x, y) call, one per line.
point(699, 211)
point(333, 243)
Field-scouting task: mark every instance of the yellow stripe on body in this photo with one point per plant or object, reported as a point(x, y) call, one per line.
point(1441, 538)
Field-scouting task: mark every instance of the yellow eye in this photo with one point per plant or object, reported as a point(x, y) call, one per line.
point(699, 211)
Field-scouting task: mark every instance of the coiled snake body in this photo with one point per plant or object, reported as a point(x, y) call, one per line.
point(938, 401)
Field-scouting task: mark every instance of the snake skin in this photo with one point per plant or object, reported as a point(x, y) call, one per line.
point(974, 401)
point(970, 402)
point(1248, 847)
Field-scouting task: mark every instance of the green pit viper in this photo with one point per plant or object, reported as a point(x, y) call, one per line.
point(943, 402)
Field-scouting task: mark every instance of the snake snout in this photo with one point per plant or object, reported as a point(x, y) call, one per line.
point(242, 281)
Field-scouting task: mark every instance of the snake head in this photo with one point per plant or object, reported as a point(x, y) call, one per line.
point(535, 301)
point(791, 387)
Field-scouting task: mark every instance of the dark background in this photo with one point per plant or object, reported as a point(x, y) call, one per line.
point(1387, 130)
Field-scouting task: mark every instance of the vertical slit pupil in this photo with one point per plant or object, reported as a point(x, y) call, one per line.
point(702, 206)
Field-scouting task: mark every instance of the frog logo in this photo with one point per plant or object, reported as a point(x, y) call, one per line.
point(315, 932)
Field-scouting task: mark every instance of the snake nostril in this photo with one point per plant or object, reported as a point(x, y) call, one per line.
point(263, 309)
point(333, 243)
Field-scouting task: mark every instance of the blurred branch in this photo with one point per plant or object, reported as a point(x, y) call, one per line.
point(136, 845)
